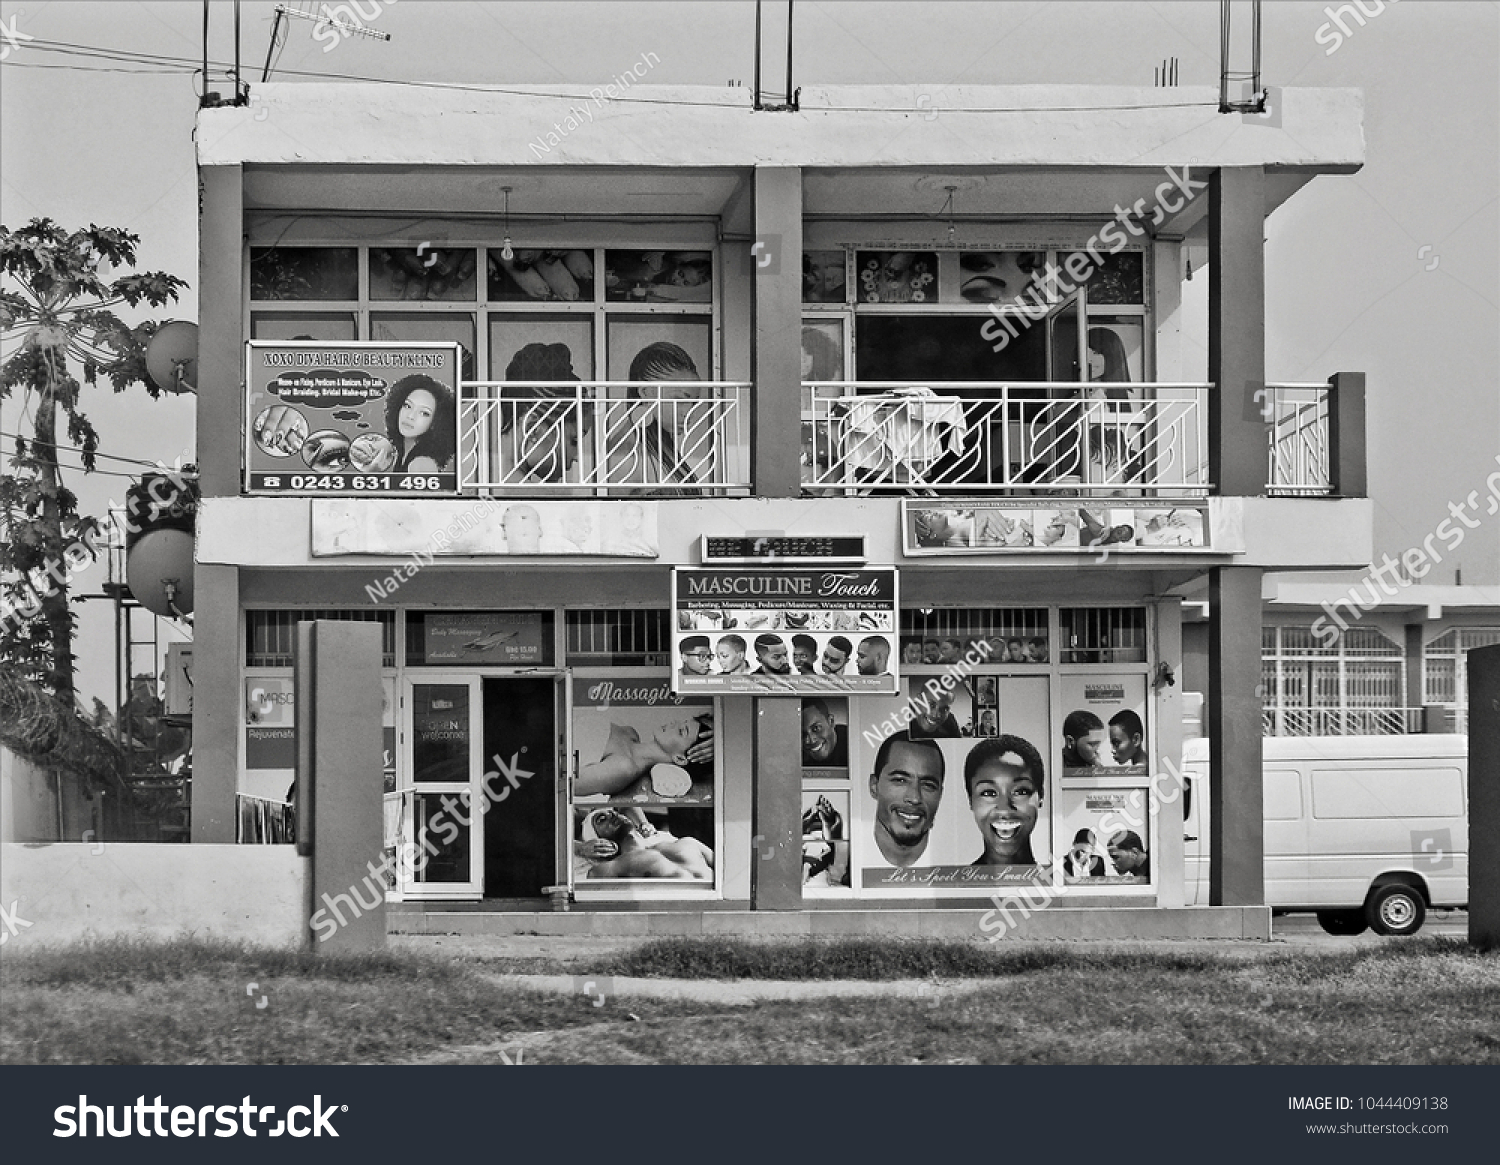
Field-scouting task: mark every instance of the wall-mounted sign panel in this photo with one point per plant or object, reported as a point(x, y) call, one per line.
point(1070, 526)
point(486, 638)
point(360, 418)
point(485, 527)
point(838, 548)
point(784, 632)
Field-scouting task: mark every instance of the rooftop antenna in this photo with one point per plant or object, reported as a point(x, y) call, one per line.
point(1229, 78)
point(320, 16)
point(793, 96)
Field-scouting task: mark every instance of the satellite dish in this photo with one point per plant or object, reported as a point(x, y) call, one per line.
point(159, 572)
point(172, 356)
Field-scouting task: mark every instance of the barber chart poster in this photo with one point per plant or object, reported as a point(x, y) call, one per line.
point(784, 632)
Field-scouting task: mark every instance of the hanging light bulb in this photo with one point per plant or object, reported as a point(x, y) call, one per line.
point(507, 252)
point(948, 208)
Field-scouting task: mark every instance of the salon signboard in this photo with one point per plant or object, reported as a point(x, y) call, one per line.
point(784, 632)
point(364, 418)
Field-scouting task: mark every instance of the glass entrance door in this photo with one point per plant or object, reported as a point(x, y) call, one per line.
point(441, 846)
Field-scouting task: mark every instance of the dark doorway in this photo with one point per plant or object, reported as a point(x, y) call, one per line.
point(520, 763)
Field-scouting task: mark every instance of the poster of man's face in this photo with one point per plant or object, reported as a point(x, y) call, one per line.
point(1110, 835)
point(825, 733)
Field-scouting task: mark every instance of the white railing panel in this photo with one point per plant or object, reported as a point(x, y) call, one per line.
point(606, 438)
point(968, 437)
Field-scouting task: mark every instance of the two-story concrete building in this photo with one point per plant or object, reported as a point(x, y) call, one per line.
point(939, 353)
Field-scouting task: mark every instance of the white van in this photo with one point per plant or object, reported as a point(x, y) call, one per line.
point(1364, 830)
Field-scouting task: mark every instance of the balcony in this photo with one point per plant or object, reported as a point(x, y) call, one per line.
point(975, 438)
point(605, 439)
point(1299, 417)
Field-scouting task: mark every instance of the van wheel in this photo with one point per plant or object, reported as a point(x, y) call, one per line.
point(1343, 922)
point(1395, 909)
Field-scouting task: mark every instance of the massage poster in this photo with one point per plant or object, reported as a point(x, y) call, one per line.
point(937, 808)
point(644, 765)
point(363, 418)
point(784, 632)
point(1104, 726)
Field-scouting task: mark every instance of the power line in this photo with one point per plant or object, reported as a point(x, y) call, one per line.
point(80, 449)
point(95, 51)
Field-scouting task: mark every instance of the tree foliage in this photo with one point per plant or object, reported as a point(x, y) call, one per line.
point(58, 295)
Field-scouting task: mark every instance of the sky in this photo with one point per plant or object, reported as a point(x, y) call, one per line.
point(1393, 271)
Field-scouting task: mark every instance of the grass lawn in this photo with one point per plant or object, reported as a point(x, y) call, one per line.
point(1422, 1001)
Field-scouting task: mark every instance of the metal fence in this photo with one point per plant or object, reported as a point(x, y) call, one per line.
point(607, 438)
point(971, 437)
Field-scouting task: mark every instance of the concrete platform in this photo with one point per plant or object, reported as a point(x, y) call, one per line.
point(1106, 923)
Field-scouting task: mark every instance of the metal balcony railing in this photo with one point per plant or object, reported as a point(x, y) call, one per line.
point(1287, 721)
point(968, 437)
point(605, 438)
point(1298, 418)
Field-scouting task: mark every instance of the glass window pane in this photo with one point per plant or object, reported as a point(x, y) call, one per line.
point(896, 277)
point(824, 277)
point(658, 276)
point(541, 347)
point(428, 274)
point(441, 844)
point(440, 733)
point(443, 327)
point(921, 349)
point(1002, 277)
point(567, 276)
point(1117, 279)
point(304, 273)
point(338, 327)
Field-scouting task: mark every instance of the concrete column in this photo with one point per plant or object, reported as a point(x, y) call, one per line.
point(1484, 796)
point(1166, 762)
point(218, 700)
point(1415, 697)
point(776, 864)
point(1347, 467)
point(1236, 829)
point(1238, 433)
point(340, 817)
point(777, 359)
point(221, 339)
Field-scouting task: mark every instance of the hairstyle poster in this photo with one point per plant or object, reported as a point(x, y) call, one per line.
point(366, 418)
point(825, 838)
point(1104, 726)
point(955, 811)
point(1105, 837)
point(643, 783)
point(789, 632)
